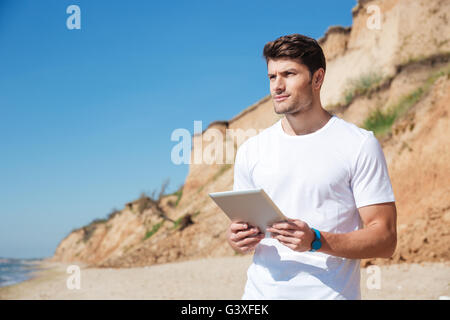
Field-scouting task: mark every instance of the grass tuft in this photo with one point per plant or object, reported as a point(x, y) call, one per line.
point(361, 85)
point(154, 229)
point(381, 122)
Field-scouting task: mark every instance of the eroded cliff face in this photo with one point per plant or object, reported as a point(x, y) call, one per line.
point(403, 66)
point(409, 30)
point(113, 237)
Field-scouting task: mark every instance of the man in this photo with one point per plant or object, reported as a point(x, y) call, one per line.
point(328, 176)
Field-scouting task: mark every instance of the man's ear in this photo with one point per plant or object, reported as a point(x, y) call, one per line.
point(318, 78)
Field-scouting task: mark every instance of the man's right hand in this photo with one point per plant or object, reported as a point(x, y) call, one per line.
point(243, 237)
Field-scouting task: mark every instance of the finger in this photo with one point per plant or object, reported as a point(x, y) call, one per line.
point(292, 240)
point(282, 231)
point(289, 233)
point(236, 226)
point(244, 234)
point(284, 225)
point(299, 223)
point(249, 248)
point(248, 241)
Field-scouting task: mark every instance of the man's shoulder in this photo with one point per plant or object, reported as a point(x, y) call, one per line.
point(349, 133)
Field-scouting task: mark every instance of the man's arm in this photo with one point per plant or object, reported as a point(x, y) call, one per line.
point(378, 238)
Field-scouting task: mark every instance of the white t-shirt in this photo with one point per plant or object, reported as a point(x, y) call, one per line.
point(320, 178)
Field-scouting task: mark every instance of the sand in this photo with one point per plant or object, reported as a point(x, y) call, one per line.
point(218, 278)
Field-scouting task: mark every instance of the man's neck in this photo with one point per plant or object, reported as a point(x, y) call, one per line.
point(305, 123)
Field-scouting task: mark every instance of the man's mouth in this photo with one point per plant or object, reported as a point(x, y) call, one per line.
point(281, 97)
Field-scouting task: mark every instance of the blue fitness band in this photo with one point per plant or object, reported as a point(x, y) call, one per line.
point(316, 244)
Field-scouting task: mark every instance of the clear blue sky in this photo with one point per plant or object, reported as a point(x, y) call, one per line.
point(86, 115)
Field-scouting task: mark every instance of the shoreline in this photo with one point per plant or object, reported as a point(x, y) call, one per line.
point(210, 279)
point(25, 269)
point(46, 272)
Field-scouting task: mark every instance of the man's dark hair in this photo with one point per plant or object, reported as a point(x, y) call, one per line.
point(298, 47)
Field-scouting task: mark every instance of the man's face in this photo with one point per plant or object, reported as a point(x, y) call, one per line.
point(290, 86)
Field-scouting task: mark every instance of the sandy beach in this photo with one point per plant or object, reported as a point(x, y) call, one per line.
point(218, 278)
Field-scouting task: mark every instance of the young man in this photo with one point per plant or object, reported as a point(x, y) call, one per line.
point(328, 176)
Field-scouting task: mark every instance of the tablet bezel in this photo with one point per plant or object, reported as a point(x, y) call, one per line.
point(226, 200)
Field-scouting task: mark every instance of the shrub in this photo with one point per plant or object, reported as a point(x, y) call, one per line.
point(381, 122)
point(113, 213)
point(144, 202)
point(89, 230)
point(184, 221)
point(361, 85)
point(179, 194)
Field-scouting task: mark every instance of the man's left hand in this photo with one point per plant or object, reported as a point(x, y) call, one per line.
point(293, 233)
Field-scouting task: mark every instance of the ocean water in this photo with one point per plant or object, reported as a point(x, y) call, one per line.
point(13, 271)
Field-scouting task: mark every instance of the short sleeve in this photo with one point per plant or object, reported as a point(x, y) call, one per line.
point(242, 177)
point(370, 180)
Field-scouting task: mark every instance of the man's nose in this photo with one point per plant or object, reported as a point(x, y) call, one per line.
point(279, 85)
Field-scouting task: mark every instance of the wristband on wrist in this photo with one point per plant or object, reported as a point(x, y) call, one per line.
point(317, 243)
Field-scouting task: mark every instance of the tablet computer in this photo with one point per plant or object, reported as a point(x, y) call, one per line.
point(253, 206)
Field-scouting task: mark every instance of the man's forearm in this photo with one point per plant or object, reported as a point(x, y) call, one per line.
point(370, 242)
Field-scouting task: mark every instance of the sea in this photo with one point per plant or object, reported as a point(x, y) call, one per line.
point(14, 271)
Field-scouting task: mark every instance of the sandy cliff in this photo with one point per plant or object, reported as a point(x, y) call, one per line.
point(403, 67)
